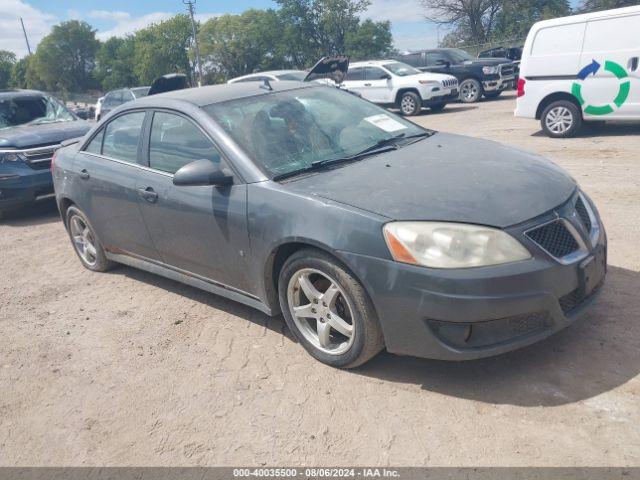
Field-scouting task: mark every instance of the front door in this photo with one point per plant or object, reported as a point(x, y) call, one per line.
point(379, 85)
point(201, 230)
point(355, 82)
point(109, 166)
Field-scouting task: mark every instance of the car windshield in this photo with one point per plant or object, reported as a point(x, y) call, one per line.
point(401, 69)
point(295, 76)
point(292, 131)
point(140, 91)
point(32, 110)
point(459, 55)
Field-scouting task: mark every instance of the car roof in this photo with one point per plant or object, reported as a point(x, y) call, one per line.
point(272, 73)
point(371, 63)
point(586, 16)
point(11, 93)
point(202, 96)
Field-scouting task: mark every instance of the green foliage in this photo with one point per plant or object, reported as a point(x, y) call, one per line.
point(517, 16)
point(115, 61)
point(232, 45)
point(65, 58)
point(596, 5)
point(7, 61)
point(162, 48)
point(369, 40)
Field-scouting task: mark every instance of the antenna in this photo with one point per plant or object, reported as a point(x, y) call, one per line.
point(190, 8)
point(25, 36)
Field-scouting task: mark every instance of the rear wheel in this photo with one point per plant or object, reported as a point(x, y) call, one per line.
point(470, 90)
point(85, 243)
point(328, 310)
point(410, 104)
point(437, 107)
point(561, 119)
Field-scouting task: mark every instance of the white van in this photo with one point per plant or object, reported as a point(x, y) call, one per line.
point(583, 67)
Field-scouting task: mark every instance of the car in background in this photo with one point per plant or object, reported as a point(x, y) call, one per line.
point(582, 67)
point(365, 230)
point(477, 77)
point(32, 126)
point(272, 76)
point(512, 53)
point(115, 98)
point(84, 112)
point(395, 84)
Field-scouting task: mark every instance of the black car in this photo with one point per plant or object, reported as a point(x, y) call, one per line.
point(512, 53)
point(32, 126)
point(477, 77)
point(365, 230)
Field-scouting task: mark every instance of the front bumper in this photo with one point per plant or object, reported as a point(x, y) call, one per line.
point(21, 185)
point(446, 96)
point(472, 313)
point(500, 83)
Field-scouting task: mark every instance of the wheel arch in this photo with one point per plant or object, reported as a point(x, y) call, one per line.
point(404, 90)
point(63, 205)
point(554, 97)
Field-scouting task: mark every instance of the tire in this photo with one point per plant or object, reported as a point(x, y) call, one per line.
point(410, 104)
point(470, 90)
point(492, 95)
point(438, 107)
point(561, 119)
point(93, 259)
point(345, 297)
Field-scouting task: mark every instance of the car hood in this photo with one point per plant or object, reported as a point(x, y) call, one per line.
point(446, 178)
point(437, 77)
point(28, 136)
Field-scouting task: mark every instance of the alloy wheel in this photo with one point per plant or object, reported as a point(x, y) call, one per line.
point(322, 311)
point(83, 240)
point(408, 105)
point(559, 120)
point(469, 91)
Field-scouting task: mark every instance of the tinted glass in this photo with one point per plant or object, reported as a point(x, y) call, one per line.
point(401, 69)
point(287, 131)
point(31, 110)
point(176, 142)
point(375, 73)
point(355, 74)
point(95, 146)
point(437, 58)
point(140, 91)
point(414, 59)
point(294, 76)
point(122, 136)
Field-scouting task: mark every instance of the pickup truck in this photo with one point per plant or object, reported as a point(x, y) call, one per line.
point(477, 77)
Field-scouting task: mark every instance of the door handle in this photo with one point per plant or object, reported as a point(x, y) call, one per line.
point(148, 194)
point(367, 84)
point(633, 64)
point(84, 175)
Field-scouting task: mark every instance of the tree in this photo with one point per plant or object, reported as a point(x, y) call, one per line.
point(369, 40)
point(234, 45)
point(517, 16)
point(7, 61)
point(115, 63)
point(66, 57)
point(163, 48)
point(474, 19)
point(315, 28)
point(596, 5)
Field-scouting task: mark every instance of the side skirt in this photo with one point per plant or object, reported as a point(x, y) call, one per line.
point(189, 279)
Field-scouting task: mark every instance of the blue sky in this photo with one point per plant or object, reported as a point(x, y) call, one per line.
point(118, 17)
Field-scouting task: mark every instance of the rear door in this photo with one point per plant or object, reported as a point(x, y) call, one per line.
point(355, 81)
point(378, 84)
point(200, 230)
point(613, 91)
point(106, 173)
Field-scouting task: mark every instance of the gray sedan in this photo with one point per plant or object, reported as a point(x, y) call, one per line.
point(364, 230)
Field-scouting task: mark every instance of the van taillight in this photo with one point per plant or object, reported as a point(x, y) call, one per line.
point(521, 83)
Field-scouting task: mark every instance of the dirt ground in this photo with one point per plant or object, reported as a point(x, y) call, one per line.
point(127, 368)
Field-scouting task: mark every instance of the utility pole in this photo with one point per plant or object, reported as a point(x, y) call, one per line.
point(190, 4)
point(25, 36)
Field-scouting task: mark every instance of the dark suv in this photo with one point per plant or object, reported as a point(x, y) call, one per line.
point(476, 76)
point(32, 126)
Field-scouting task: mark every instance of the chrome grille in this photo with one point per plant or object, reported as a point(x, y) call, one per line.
point(452, 83)
point(507, 70)
point(555, 238)
point(40, 158)
point(583, 213)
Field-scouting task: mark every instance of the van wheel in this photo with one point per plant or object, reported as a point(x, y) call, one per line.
point(410, 104)
point(561, 119)
point(328, 310)
point(470, 90)
point(85, 243)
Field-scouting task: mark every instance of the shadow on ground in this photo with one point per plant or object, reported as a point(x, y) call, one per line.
point(602, 129)
point(36, 214)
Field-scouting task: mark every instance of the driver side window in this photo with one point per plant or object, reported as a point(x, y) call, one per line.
point(176, 142)
point(436, 59)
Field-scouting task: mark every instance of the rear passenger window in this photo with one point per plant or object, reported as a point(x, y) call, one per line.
point(560, 40)
point(355, 74)
point(95, 146)
point(176, 142)
point(375, 73)
point(122, 136)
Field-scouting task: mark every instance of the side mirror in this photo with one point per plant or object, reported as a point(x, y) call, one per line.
point(443, 63)
point(386, 76)
point(202, 173)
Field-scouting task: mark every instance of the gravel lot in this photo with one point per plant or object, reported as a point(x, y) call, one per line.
point(127, 368)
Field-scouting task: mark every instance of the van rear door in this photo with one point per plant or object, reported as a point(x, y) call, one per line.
point(610, 55)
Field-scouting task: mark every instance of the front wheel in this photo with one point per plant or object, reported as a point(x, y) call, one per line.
point(410, 104)
point(470, 90)
point(328, 310)
point(561, 119)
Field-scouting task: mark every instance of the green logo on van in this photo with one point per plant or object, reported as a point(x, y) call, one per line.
point(623, 90)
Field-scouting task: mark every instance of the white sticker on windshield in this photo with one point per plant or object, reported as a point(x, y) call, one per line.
point(385, 122)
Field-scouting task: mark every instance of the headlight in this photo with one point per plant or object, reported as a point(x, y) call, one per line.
point(9, 156)
point(430, 82)
point(489, 70)
point(451, 245)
